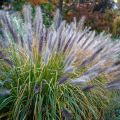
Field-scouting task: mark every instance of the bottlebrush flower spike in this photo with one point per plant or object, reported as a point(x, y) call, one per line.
point(81, 48)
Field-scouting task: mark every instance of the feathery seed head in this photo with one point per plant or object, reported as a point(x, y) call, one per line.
point(81, 48)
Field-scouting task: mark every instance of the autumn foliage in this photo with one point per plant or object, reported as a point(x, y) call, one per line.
point(97, 20)
point(37, 2)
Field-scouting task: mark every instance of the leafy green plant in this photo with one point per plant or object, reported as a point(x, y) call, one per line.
point(18, 4)
point(113, 111)
point(47, 9)
point(60, 72)
point(116, 25)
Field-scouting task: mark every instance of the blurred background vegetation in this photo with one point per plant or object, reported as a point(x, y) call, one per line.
point(100, 14)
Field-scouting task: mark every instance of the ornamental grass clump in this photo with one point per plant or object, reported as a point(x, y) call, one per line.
point(56, 73)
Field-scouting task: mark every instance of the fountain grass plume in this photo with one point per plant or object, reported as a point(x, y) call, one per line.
point(61, 72)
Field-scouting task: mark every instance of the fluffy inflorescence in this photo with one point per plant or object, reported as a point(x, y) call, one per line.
point(58, 63)
point(81, 48)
